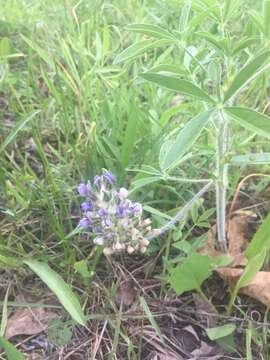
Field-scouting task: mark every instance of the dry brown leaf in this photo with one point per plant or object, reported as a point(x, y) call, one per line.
point(258, 288)
point(204, 311)
point(29, 321)
point(207, 352)
point(127, 292)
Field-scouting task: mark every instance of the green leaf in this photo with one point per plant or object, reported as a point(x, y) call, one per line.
point(59, 333)
point(5, 47)
point(266, 17)
point(151, 30)
point(220, 331)
point(257, 20)
point(246, 74)
point(254, 159)
point(220, 44)
point(19, 126)
point(261, 239)
point(58, 286)
point(190, 275)
point(139, 48)
point(185, 140)
point(179, 85)
point(11, 352)
point(169, 68)
point(250, 119)
point(254, 265)
point(242, 44)
point(223, 335)
point(82, 269)
point(9, 261)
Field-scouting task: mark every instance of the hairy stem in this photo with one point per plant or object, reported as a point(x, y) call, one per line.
point(222, 178)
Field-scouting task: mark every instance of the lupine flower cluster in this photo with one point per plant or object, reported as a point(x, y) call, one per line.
point(111, 218)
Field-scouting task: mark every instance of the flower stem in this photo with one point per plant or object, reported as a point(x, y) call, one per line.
point(222, 178)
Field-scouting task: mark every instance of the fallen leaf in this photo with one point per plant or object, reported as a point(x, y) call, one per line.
point(207, 352)
point(127, 292)
point(204, 311)
point(258, 288)
point(28, 321)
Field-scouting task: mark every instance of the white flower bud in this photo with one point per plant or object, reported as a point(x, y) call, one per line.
point(144, 242)
point(130, 249)
point(118, 246)
point(123, 193)
point(98, 241)
point(143, 249)
point(107, 251)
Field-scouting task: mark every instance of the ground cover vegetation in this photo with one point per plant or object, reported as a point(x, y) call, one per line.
point(134, 179)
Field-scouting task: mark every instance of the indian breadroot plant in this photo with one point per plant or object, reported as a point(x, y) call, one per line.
point(209, 73)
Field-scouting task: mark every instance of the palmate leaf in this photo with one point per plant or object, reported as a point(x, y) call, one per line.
point(247, 73)
point(184, 140)
point(250, 119)
point(183, 86)
point(58, 286)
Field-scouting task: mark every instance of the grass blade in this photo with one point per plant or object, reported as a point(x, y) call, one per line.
point(58, 286)
point(19, 126)
point(11, 351)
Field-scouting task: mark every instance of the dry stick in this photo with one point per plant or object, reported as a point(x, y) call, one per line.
point(235, 196)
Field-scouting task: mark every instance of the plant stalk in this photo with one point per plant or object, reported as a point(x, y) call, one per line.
point(222, 178)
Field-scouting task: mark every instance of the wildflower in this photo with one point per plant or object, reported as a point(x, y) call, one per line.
point(116, 222)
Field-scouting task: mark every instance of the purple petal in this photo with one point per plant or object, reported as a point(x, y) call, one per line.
point(108, 222)
point(103, 213)
point(120, 211)
point(136, 208)
point(84, 222)
point(83, 189)
point(86, 206)
point(109, 176)
point(97, 179)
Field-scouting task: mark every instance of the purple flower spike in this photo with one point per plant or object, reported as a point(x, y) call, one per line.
point(109, 176)
point(83, 189)
point(86, 206)
point(103, 213)
point(84, 222)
